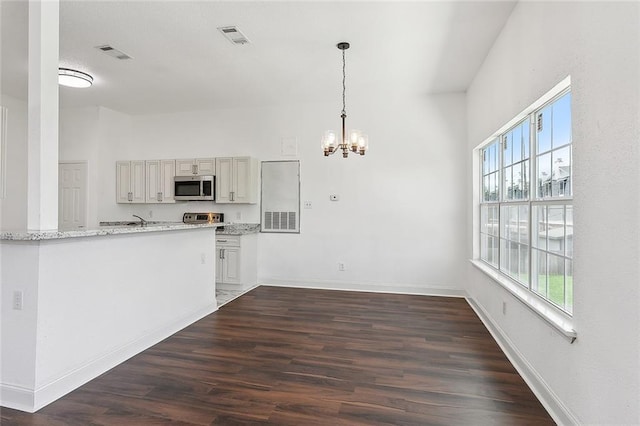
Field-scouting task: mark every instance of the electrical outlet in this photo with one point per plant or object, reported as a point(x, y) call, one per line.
point(17, 300)
point(238, 215)
point(203, 258)
point(150, 214)
point(308, 205)
point(342, 266)
point(504, 308)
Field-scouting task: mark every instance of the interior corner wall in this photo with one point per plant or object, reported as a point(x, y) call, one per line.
point(598, 44)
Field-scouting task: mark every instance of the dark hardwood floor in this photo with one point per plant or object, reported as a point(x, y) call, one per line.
point(288, 356)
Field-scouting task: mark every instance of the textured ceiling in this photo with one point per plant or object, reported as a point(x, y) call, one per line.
point(182, 62)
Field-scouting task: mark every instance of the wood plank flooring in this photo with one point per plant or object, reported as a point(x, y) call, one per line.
point(285, 356)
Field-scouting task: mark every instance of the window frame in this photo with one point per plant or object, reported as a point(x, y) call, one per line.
point(532, 201)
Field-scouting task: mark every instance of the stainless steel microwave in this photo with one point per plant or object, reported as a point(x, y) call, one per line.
point(194, 188)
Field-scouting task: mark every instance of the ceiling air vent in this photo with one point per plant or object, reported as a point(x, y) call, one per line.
point(234, 35)
point(113, 52)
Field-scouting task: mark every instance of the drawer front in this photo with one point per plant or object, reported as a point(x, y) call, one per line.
point(228, 240)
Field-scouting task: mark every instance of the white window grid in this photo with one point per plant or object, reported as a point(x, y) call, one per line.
point(533, 200)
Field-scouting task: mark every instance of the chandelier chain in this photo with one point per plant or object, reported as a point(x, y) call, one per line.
point(344, 86)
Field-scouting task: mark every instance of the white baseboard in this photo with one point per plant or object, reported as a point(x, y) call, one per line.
point(370, 287)
point(17, 397)
point(32, 400)
point(558, 411)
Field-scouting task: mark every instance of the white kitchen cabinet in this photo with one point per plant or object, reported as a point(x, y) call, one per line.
point(236, 263)
point(159, 178)
point(196, 166)
point(236, 180)
point(130, 182)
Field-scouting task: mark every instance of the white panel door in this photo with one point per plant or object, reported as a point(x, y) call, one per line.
point(153, 181)
point(231, 270)
point(224, 167)
point(72, 196)
point(123, 182)
point(185, 167)
point(242, 180)
point(167, 173)
point(138, 181)
point(206, 166)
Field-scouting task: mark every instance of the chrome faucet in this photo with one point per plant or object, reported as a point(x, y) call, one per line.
point(142, 221)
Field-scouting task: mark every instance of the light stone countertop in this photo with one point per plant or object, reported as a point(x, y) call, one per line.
point(114, 228)
point(239, 229)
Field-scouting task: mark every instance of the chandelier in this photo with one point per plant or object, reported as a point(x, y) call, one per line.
point(356, 141)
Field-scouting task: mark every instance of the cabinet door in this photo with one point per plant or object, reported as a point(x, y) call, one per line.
point(231, 268)
point(244, 180)
point(206, 166)
point(167, 173)
point(223, 180)
point(185, 167)
point(123, 181)
point(219, 265)
point(153, 181)
point(138, 181)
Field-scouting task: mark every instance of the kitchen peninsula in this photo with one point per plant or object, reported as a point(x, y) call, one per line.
point(78, 303)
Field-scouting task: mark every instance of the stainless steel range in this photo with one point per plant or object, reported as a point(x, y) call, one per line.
point(208, 217)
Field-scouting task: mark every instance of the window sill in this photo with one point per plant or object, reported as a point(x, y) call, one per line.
point(558, 321)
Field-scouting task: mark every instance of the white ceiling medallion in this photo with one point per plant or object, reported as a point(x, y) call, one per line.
point(74, 78)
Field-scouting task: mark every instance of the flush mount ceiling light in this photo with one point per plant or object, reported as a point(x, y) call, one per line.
point(74, 78)
point(356, 142)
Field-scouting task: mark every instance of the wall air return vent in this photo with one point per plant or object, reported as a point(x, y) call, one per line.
point(113, 52)
point(281, 221)
point(234, 35)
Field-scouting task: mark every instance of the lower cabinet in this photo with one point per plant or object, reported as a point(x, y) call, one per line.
point(236, 261)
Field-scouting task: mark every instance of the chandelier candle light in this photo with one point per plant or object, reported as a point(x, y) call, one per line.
point(356, 142)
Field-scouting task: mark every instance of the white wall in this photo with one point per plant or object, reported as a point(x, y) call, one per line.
point(597, 43)
point(397, 225)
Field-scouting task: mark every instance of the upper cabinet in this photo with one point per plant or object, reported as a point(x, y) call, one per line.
point(130, 182)
point(196, 166)
point(236, 180)
point(159, 178)
point(152, 181)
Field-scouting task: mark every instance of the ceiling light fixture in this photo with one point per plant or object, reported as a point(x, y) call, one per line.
point(74, 78)
point(357, 142)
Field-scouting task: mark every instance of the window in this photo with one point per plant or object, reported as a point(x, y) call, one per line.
point(526, 211)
